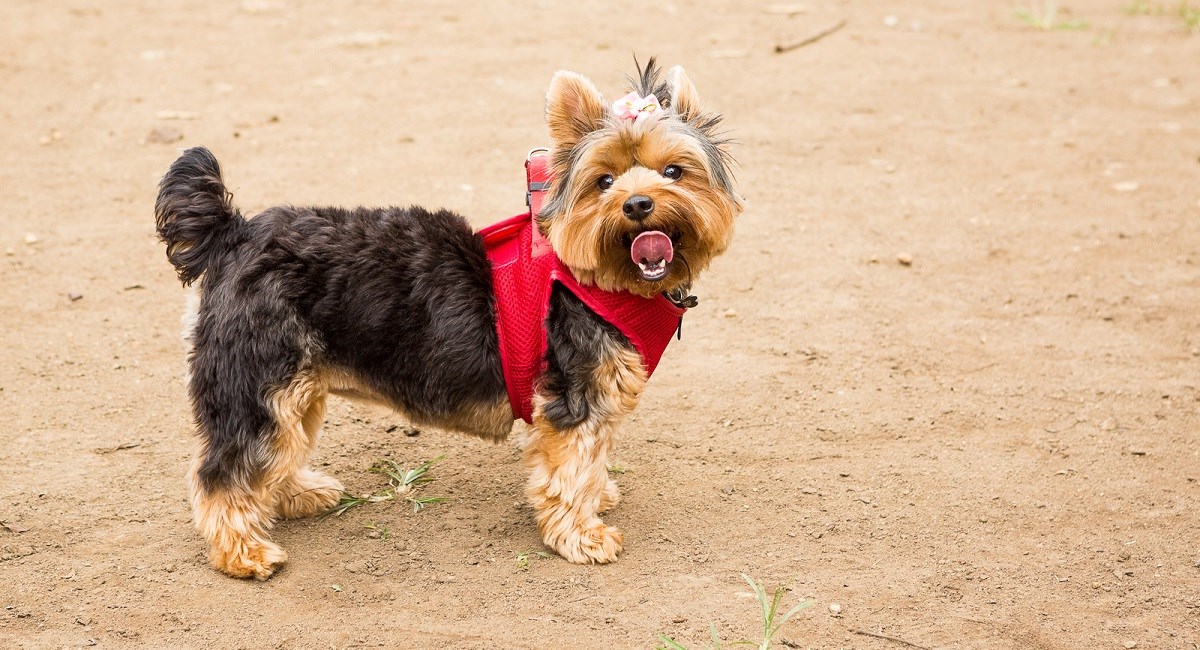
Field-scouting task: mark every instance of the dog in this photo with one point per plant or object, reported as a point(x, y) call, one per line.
point(398, 306)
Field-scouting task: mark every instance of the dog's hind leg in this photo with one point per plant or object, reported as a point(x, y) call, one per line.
point(255, 397)
point(241, 482)
point(233, 509)
point(300, 412)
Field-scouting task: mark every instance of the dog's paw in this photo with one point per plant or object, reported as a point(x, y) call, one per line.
point(596, 544)
point(610, 497)
point(258, 560)
point(309, 493)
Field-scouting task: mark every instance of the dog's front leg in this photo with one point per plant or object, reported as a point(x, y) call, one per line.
point(574, 428)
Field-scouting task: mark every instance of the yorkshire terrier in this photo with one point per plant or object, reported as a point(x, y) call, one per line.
point(407, 308)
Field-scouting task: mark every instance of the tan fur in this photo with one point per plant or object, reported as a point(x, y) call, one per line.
point(568, 482)
point(589, 235)
point(236, 521)
point(684, 98)
point(573, 107)
point(304, 492)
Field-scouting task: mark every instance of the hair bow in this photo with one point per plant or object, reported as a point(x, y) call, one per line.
point(634, 107)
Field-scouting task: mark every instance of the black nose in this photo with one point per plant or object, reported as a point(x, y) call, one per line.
point(638, 207)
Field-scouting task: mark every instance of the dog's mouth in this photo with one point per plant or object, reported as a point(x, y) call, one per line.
point(652, 252)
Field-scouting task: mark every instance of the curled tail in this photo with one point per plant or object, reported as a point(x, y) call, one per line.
point(194, 214)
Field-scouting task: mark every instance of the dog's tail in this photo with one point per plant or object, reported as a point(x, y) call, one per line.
point(194, 214)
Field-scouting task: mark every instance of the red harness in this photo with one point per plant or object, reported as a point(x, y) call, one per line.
point(524, 270)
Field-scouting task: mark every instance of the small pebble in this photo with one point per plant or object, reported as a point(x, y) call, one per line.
point(164, 135)
point(31, 238)
point(835, 609)
point(905, 259)
point(1125, 186)
point(730, 313)
point(891, 21)
point(74, 296)
point(1130, 645)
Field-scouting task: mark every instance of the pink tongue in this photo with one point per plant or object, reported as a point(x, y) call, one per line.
point(651, 246)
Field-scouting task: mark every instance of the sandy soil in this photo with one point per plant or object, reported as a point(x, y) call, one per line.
point(993, 447)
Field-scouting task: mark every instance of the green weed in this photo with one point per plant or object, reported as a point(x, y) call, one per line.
point(523, 558)
point(1190, 16)
point(772, 621)
point(402, 483)
point(1142, 8)
point(1046, 16)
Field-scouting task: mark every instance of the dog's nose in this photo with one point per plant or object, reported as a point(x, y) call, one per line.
point(638, 207)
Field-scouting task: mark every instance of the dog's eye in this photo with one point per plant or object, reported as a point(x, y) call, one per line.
point(605, 182)
point(673, 172)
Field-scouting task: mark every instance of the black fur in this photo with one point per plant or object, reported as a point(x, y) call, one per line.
point(194, 214)
point(400, 298)
point(574, 335)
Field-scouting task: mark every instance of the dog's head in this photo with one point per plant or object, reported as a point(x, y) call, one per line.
point(643, 197)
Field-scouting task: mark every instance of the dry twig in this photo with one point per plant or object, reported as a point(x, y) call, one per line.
point(809, 40)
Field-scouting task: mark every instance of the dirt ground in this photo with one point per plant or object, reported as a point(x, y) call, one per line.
point(995, 446)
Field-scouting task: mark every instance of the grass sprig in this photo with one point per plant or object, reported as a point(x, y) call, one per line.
point(1046, 16)
point(772, 620)
point(402, 482)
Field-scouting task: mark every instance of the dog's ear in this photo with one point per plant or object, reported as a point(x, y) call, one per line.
point(574, 108)
point(685, 101)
